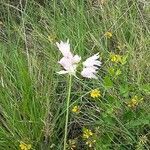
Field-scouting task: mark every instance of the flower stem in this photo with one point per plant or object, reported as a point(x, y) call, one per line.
point(67, 111)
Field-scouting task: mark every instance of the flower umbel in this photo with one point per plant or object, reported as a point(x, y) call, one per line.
point(76, 109)
point(87, 133)
point(95, 93)
point(24, 146)
point(68, 62)
point(90, 67)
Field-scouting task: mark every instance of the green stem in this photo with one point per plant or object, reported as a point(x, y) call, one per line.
point(67, 111)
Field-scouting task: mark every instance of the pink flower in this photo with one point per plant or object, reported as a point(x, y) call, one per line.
point(90, 67)
point(68, 62)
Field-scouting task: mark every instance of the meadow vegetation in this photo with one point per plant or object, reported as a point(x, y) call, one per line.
point(108, 113)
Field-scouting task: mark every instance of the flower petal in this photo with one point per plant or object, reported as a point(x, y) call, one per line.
point(89, 73)
point(76, 59)
point(91, 61)
point(64, 48)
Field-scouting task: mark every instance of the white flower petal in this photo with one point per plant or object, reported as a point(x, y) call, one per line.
point(91, 61)
point(68, 65)
point(94, 57)
point(68, 62)
point(76, 59)
point(89, 73)
point(97, 63)
point(65, 62)
point(64, 48)
point(90, 66)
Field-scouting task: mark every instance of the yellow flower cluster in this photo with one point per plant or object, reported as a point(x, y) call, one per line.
point(76, 109)
point(118, 58)
point(134, 102)
point(88, 136)
point(24, 146)
point(108, 34)
point(87, 133)
point(95, 93)
point(115, 58)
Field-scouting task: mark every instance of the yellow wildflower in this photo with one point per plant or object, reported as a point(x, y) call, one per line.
point(76, 109)
point(90, 142)
point(24, 146)
point(115, 58)
point(108, 34)
point(133, 102)
point(95, 93)
point(87, 133)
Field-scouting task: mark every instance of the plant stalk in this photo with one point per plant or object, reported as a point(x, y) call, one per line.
point(67, 110)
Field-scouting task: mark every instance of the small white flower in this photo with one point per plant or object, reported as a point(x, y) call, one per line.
point(68, 62)
point(90, 67)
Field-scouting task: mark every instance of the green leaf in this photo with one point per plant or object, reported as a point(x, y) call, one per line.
point(124, 90)
point(138, 122)
point(108, 82)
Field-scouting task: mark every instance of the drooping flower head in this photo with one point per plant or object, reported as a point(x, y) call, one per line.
point(90, 66)
point(68, 62)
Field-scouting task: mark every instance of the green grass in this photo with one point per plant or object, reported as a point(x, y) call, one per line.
point(33, 96)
